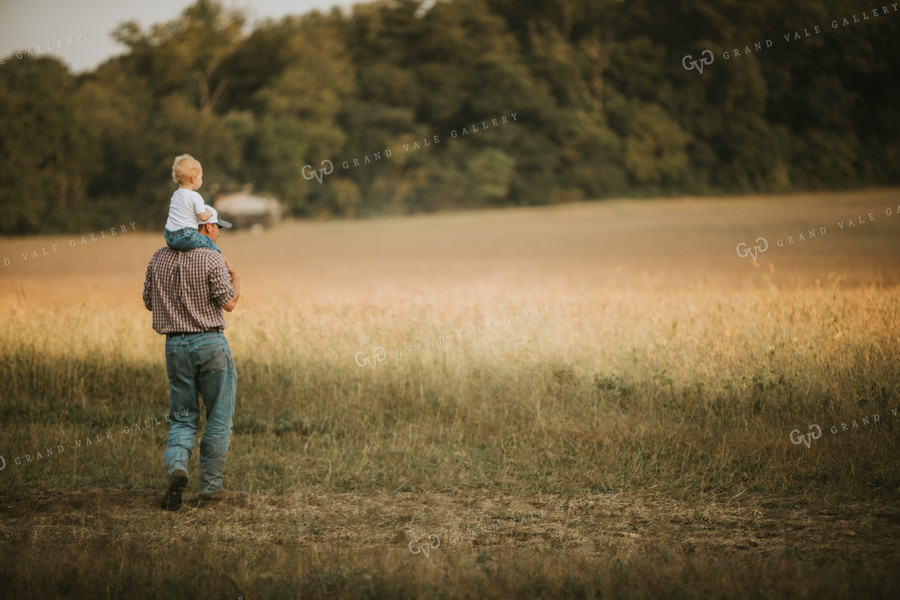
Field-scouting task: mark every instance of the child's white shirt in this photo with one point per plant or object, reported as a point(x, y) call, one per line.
point(183, 209)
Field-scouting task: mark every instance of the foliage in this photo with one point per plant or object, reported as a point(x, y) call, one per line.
point(604, 107)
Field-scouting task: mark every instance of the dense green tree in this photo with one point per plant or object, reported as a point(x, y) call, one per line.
point(44, 147)
point(603, 102)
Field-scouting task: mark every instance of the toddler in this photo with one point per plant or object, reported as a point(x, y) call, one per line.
point(186, 209)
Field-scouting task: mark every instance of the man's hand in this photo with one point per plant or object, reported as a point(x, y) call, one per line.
point(235, 278)
point(235, 283)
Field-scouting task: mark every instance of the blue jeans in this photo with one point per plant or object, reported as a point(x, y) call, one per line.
point(200, 364)
point(188, 239)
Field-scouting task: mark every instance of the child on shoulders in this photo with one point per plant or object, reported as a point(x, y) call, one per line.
point(187, 209)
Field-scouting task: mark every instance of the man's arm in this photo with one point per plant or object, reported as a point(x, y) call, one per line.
point(148, 286)
point(235, 283)
point(221, 287)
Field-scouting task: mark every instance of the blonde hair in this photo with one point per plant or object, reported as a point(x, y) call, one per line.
point(185, 167)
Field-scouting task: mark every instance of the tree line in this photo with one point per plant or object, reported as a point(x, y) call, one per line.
point(608, 99)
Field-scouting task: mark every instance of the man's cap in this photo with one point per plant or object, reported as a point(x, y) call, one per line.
point(214, 219)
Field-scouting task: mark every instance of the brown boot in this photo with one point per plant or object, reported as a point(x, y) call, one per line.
point(178, 480)
point(223, 495)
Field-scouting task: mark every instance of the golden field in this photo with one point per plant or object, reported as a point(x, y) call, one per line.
point(584, 400)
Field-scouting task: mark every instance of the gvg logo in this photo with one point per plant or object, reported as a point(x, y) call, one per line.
point(762, 245)
point(372, 361)
point(309, 173)
point(806, 438)
point(706, 59)
point(417, 546)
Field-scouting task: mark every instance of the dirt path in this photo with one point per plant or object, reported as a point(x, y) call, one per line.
point(589, 527)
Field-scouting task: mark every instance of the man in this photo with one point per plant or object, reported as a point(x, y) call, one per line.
point(187, 291)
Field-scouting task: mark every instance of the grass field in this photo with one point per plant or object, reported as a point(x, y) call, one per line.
point(582, 401)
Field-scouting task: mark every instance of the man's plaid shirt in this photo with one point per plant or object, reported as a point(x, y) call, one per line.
point(187, 290)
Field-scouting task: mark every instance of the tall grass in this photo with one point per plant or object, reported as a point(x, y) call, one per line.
point(645, 383)
point(616, 391)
